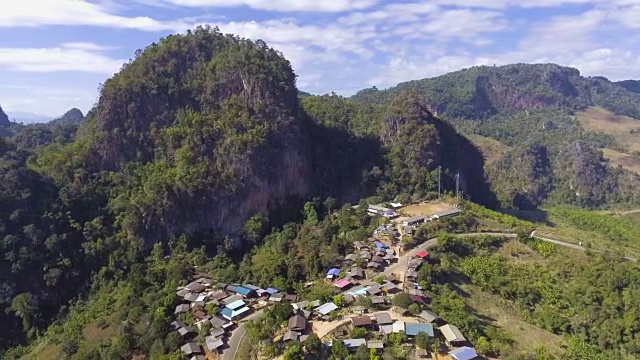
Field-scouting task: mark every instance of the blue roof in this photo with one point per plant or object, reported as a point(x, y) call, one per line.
point(381, 245)
point(334, 272)
point(236, 305)
point(243, 290)
point(272, 291)
point(413, 329)
point(230, 314)
point(251, 287)
point(464, 353)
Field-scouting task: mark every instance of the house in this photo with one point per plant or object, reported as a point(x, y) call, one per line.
point(389, 287)
point(300, 305)
point(231, 299)
point(381, 245)
point(361, 321)
point(374, 289)
point(333, 273)
point(413, 329)
point(276, 297)
point(291, 336)
point(216, 332)
point(377, 300)
point(414, 264)
point(359, 245)
point(446, 213)
point(217, 321)
point(351, 258)
point(177, 325)
point(408, 230)
point(182, 308)
point(386, 329)
point(428, 316)
point(221, 286)
point(399, 310)
point(200, 314)
point(383, 318)
point(417, 220)
point(290, 298)
point(219, 295)
point(452, 335)
point(234, 314)
point(191, 297)
point(251, 287)
point(418, 296)
point(398, 326)
point(298, 323)
point(236, 304)
point(272, 291)
point(374, 265)
point(365, 255)
point(390, 258)
point(182, 292)
point(356, 273)
point(196, 287)
point(349, 298)
point(354, 343)
point(342, 284)
point(186, 331)
point(464, 353)
point(214, 344)
point(422, 254)
point(358, 309)
point(392, 278)
point(411, 275)
point(191, 348)
point(244, 291)
point(375, 344)
point(325, 309)
point(379, 259)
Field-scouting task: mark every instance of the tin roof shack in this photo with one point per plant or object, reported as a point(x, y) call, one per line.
point(416, 220)
point(452, 335)
point(214, 344)
point(413, 329)
point(464, 353)
point(291, 336)
point(362, 321)
point(298, 323)
point(356, 273)
point(383, 318)
point(333, 273)
point(446, 213)
point(191, 349)
point(326, 309)
point(429, 316)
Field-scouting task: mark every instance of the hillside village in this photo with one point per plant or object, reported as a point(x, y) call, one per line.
point(377, 300)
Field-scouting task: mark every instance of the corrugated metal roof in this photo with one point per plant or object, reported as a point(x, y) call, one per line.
point(413, 329)
point(451, 333)
point(464, 353)
point(326, 308)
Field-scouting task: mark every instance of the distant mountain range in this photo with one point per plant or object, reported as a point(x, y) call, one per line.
point(28, 118)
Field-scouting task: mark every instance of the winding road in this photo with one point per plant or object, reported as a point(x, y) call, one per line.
point(240, 332)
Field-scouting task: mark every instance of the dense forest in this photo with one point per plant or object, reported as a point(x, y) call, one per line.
point(202, 152)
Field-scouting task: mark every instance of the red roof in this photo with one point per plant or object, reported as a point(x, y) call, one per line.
point(418, 299)
point(342, 283)
point(423, 254)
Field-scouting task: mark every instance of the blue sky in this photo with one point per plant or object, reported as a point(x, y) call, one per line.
point(55, 53)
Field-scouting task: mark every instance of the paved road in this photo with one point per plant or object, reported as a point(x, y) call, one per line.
point(240, 332)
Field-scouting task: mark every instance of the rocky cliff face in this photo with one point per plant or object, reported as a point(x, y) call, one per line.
point(72, 117)
point(207, 130)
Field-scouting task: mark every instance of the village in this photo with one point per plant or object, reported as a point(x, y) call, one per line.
point(377, 298)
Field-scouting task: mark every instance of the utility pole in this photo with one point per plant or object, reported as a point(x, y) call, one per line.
point(439, 181)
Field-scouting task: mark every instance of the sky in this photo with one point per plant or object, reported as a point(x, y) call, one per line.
point(54, 54)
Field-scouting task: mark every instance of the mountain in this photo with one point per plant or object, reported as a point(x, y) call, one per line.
point(72, 117)
point(28, 118)
point(4, 119)
point(631, 85)
point(484, 91)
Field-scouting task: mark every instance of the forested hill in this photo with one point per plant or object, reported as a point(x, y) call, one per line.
point(4, 119)
point(72, 117)
point(484, 91)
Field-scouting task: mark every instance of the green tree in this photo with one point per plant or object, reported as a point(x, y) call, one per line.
point(294, 352)
point(313, 345)
point(254, 227)
point(362, 353)
point(423, 341)
point(359, 333)
point(25, 306)
point(414, 309)
point(483, 346)
point(398, 338)
point(339, 300)
point(339, 350)
point(402, 300)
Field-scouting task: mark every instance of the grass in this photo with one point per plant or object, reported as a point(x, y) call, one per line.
point(97, 331)
point(45, 351)
point(603, 121)
point(604, 231)
point(492, 150)
point(626, 161)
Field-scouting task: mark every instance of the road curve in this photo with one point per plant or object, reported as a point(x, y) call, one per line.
point(238, 334)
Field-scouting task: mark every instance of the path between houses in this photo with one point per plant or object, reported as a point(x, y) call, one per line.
point(238, 335)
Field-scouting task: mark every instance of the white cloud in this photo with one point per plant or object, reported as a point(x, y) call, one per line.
point(84, 58)
point(32, 13)
point(281, 5)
